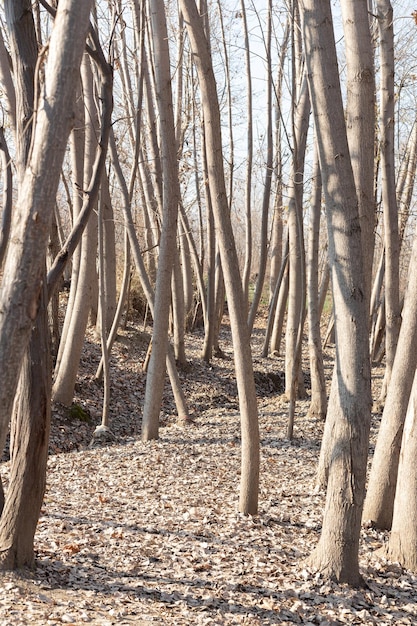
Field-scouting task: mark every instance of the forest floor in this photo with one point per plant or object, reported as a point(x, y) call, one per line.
point(149, 533)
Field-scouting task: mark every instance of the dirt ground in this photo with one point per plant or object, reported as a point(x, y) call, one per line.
point(149, 533)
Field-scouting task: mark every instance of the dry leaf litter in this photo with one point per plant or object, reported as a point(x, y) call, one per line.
point(149, 533)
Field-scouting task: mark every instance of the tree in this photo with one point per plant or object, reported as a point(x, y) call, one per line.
point(266, 198)
point(84, 287)
point(21, 290)
point(360, 122)
point(167, 246)
point(389, 198)
point(379, 502)
point(249, 485)
point(336, 554)
point(402, 542)
point(318, 403)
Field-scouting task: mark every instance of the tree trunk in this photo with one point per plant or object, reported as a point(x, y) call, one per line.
point(336, 554)
point(249, 159)
point(24, 49)
point(379, 501)
point(248, 502)
point(360, 124)
point(266, 198)
point(389, 198)
point(67, 367)
point(296, 259)
point(29, 442)
point(167, 247)
point(318, 402)
point(360, 121)
point(402, 543)
point(7, 185)
point(24, 280)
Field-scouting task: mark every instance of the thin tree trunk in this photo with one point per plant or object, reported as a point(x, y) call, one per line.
point(402, 543)
point(296, 298)
point(249, 158)
point(167, 247)
point(383, 476)
point(7, 185)
point(389, 199)
point(266, 198)
point(248, 501)
point(145, 281)
point(67, 367)
point(318, 402)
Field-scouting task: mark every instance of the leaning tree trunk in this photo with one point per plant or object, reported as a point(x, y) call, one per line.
point(29, 441)
point(249, 485)
point(69, 356)
point(24, 277)
point(336, 554)
point(379, 501)
point(24, 49)
point(402, 543)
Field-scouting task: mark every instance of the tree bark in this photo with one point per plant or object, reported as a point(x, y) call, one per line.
point(21, 296)
point(389, 198)
point(336, 554)
point(402, 543)
point(382, 483)
point(24, 50)
point(69, 358)
point(318, 401)
point(167, 247)
point(29, 440)
point(360, 121)
point(248, 502)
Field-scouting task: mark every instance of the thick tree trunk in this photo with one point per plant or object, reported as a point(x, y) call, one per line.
point(29, 449)
point(360, 121)
point(360, 129)
point(24, 281)
point(336, 555)
point(24, 49)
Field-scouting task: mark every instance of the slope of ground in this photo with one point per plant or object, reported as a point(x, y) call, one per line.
point(148, 533)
